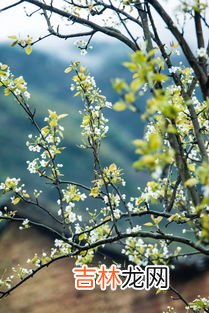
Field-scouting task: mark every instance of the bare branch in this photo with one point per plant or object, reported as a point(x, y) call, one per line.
point(199, 72)
point(85, 22)
point(21, 219)
point(11, 6)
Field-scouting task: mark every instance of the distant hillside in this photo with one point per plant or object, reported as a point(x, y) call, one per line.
point(49, 87)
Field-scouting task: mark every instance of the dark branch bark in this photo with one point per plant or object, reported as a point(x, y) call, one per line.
point(199, 31)
point(85, 22)
point(181, 164)
point(199, 72)
point(11, 6)
point(145, 26)
point(197, 132)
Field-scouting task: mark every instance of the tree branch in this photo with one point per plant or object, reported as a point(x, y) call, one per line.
point(11, 6)
point(105, 30)
point(199, 72)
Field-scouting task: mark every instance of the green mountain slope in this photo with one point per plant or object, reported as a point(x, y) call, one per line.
point(49, 88)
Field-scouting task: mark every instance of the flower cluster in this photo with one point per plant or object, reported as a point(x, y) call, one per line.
point(25, 224)
point(83, 46)
point(71, 195)
point(16, 86)
point(37, 261)
point(199, 305)
point(47, 144)
point(110, 175)
point(202, 53)
point(7, 282)
point(25, 43)
point(7, 213)
point(13, 185)
point(135, 204)
point(93, 125)
point(21, 272)
point(142, 253)
point(18, 273)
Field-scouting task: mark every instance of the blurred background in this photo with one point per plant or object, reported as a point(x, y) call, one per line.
point(50, 89)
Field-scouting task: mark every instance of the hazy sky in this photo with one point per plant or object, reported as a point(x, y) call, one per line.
point(15, 22)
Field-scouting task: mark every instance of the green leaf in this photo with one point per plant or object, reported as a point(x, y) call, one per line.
point(154, 142)
point(61, 116)
point(82, 237)
point(68, 70)
point(28, 50)
point(16, 200)
point(120, 106)
point(12, 37)
point(148, 224)
point(130, 97)
point(191, 182)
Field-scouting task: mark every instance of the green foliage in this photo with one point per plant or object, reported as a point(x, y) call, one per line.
point(25, 43)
